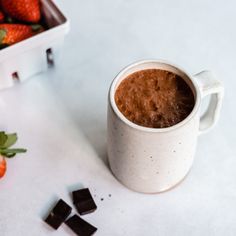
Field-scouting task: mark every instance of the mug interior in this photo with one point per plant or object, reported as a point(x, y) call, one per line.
point(148, 64)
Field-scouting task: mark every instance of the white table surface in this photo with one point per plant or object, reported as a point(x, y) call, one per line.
point(60, 116)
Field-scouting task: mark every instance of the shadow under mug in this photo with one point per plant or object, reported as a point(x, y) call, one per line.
point(152, 160)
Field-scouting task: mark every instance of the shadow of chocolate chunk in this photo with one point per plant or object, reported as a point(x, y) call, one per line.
point(58, 214)
point(83, 201)
point(80, 226)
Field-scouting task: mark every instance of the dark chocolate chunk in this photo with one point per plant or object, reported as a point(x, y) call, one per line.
point(83, 201)
point(58, 214)
point(80, 226)
point(53, 220)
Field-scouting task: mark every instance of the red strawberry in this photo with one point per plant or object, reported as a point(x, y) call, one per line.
point(14, 33)
point(3, 166)
point(23, 10)
point(1, 16)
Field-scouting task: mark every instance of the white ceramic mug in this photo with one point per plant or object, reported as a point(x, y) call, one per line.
point(153, 160)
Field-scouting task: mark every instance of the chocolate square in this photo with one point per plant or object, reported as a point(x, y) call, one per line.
point(83, 201)
point(58, 214)
point(80, 226)
point(54, 221)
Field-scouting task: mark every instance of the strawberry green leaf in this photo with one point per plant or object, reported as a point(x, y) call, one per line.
point(11, 140)
point(3, 34)
point(10, 155)
point(6, 141)
point(36, 27)
point(3, 138)
point(12, 151)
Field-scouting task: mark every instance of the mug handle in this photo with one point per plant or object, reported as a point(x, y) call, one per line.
point(210, 86)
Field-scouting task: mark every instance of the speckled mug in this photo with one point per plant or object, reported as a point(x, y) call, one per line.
point(152, 160)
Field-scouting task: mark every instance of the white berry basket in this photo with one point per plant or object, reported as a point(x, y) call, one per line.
point(36, 54)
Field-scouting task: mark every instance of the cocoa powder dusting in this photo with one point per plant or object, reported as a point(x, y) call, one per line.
point(154, 98)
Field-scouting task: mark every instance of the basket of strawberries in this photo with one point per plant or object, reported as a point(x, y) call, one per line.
point(31, 36)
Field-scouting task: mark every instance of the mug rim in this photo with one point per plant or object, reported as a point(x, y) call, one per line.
point(149, 129)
